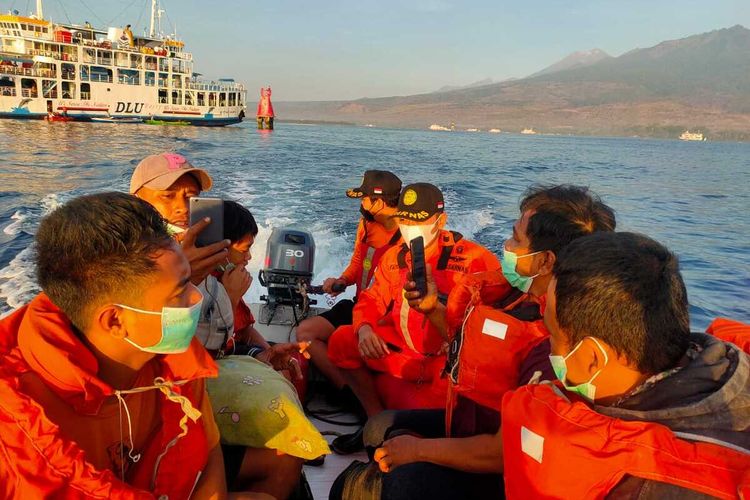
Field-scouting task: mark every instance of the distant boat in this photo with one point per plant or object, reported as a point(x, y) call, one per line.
point(369, 125)
point(473, 130)
point(166, 122)
point(113, 119)
point(528, 131)
point(494, 131)
point(692, 136)
point(56, 117)
point(435, 126)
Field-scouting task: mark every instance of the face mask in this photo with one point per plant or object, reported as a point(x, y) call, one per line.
point(428, 233)
point(560, 367)
point(508, 263)
point(178, 325)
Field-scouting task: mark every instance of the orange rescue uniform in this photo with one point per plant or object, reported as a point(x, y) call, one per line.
point(371, 242)
point(417, 348)
point(63, 433)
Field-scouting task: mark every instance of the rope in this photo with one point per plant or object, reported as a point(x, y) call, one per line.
point(94, 14)
point(121, 13)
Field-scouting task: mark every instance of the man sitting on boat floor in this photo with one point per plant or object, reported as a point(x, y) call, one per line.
point(392, 355)
point(168, 181)
point(498, 340)
point(377, 231)
point(102, 387)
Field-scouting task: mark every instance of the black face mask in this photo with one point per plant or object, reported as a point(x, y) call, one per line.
point(367, 215)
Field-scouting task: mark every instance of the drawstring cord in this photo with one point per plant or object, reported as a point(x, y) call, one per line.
point(165, 386)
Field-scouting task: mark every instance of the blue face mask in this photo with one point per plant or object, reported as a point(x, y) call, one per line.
point(508, 263)
point(178, 325)
point(560, 367)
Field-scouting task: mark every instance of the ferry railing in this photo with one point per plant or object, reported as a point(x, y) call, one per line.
point(86, 96)
point(14, 70)
point(215, 87)
point(8, 91)
point(101, 78)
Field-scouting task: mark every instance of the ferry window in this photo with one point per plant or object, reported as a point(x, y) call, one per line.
point(232, 99)
point(176, 97)
point(188, 98)
point(162, 96)
point(176, 82)
point(84, 72)
point(7, 86)
point(135, 61)
point(121, 59)
point(101, 74)
point(29, 88)
point(163, 64)
point(212, 99)
point(89, 55)
point(150, 78)
point(86, 91)
point(201, 99)
point(68, 90)
point(128, 77)
point(223, 99)
point(49, 89)
point(68, 72)
point(104, 57)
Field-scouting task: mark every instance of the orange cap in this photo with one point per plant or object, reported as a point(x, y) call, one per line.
point(160, 171)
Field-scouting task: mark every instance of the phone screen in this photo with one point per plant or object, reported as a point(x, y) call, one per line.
point(418, 266)
point(200, 208)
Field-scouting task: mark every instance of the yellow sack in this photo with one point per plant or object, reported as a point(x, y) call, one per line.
point(256, 406)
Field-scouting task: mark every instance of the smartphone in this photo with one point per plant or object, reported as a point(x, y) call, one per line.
point(200, 208)
point(418, 266)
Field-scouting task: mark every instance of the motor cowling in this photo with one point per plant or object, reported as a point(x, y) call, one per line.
point(289, 265)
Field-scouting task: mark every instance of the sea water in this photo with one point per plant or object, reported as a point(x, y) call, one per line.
point(691, 196)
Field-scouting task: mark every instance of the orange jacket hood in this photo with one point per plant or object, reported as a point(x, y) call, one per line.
point(40, 338)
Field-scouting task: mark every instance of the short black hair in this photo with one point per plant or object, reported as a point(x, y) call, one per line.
point(238, 221)
point(563, 213)
point(98, 248)
point(390, 201)
point(627, 290)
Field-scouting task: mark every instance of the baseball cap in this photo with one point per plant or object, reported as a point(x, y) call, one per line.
point(162, 170)
point(377, 183)
point(420, 201)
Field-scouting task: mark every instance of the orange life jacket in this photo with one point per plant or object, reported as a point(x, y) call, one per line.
point(485, 355)
point(557, 448)
point(731, 331)
point(38, 461)
point(384, 303)
point(372, 241)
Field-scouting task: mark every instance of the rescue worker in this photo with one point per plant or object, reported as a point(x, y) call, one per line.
point(392, 355)
point(101, 382)
point(168, 181)
point(648, 409)
point(376, 233)
point(497, 341)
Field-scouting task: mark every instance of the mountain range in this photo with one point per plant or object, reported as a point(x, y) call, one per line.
point(701, 83)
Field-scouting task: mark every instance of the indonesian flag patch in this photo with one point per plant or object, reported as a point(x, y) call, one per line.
point(377, 190)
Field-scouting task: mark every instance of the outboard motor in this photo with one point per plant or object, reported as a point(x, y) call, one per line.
point(288, 269)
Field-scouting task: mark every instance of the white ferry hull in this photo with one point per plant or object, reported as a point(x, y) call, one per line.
point(119, 105)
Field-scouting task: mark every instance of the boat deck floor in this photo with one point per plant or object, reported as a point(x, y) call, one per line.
point(321, 478)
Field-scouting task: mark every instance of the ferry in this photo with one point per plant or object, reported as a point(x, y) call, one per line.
point(692, 136)
point(77, 72)
point(528, 131)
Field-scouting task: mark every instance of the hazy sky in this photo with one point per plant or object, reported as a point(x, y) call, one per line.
point(346, 49)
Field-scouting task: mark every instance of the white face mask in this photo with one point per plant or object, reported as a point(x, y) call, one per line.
point(428, 233)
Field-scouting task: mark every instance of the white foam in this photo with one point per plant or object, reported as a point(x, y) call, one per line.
point(17, 281)
point(14, 227)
